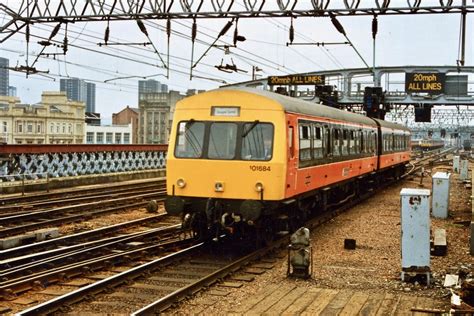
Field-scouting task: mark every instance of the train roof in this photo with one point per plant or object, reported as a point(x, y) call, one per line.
point(392, 125)
point(294, 105)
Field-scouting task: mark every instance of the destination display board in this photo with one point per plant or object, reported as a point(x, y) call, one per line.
point(425, 82)
point(296, 80)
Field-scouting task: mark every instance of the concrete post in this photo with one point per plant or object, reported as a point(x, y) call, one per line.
point(456, 163)
point(464, 169)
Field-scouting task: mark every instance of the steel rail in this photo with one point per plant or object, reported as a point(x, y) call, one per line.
point(27, 251)
point(77, 252)
point(73, 268)
point(124, 192)
point(76, 269)
point(69, 219)
point(72, 218)
point(97, 287)
point(85, 190)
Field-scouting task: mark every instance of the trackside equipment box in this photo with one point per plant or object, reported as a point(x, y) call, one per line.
point(415, 232)
point(456, 163)
point(441, 194)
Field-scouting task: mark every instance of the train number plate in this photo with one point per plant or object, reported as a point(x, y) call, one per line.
point(260, 168)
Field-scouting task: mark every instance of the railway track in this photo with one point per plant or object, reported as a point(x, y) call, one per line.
point(173, 277)
point(32, 252)
point(78, 191)
point(17, 224)
point(24, 204)
point(80, 259)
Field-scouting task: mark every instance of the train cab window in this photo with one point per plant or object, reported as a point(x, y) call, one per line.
point(222, 140)
point(257, 141)
point(345, 142)
point(305, 142)
point(318, 141)
point(190, 140)
point(337, 135)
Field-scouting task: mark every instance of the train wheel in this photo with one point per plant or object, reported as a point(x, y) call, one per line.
point(199, 226)
point(266, 232)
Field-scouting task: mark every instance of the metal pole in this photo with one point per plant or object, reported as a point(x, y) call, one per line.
point(463, 34)
point(373, 62)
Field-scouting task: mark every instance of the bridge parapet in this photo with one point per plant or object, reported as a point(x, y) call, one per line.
point(34, 162)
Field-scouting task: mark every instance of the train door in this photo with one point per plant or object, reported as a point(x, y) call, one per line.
point(292, 158)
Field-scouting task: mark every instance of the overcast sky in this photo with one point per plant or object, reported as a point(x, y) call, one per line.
point(401, 40)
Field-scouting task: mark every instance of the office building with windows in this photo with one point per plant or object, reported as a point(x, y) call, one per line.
point(156, 114)
point(4, 77)
point(79, 90)
point(54, 120)
point(150, 86)
point(108, 134)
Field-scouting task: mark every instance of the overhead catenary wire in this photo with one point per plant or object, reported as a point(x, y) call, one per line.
point(123, 57)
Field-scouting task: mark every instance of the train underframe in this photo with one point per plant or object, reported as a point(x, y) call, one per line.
point(257, 222)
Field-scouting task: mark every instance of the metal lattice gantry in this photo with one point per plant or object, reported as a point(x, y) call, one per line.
point(440, 117)
point(44, 11)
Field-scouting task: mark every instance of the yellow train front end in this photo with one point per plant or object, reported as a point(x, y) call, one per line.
point(226, 160)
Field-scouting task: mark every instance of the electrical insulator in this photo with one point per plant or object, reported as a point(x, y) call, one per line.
point(374, 27)
point(236, 32)
point(225, 29)
point(106, 35)
point(292, 32)
point(142, 27)
point(65, 45)
point(168, 27)
point(27, 33)
point(55, 31)
point(194, 31)
point(337, 25)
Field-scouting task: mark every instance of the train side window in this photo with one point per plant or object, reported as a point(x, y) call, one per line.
point(328, 141)
point(305, 142)
point(392, 142)
point(356, 142)
point(374, 139)
point(351, 143)
point(345, 142)
point(318, 142)
point(336, 142)
point(190, 139)
point(362, 142)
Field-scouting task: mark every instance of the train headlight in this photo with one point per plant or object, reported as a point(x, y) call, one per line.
point(219, 186)
point(181, 183)
point(259, 187)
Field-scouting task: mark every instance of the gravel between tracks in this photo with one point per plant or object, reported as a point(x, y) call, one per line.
point(375, 264)
point(107, 220)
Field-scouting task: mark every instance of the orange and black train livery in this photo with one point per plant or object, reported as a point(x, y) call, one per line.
point(252, 162)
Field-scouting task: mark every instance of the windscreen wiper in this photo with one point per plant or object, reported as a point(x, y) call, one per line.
point(250, 129)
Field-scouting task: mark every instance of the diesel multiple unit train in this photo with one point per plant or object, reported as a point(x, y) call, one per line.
point(249, 162)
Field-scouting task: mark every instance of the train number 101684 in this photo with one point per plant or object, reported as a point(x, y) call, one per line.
point(260, 168)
